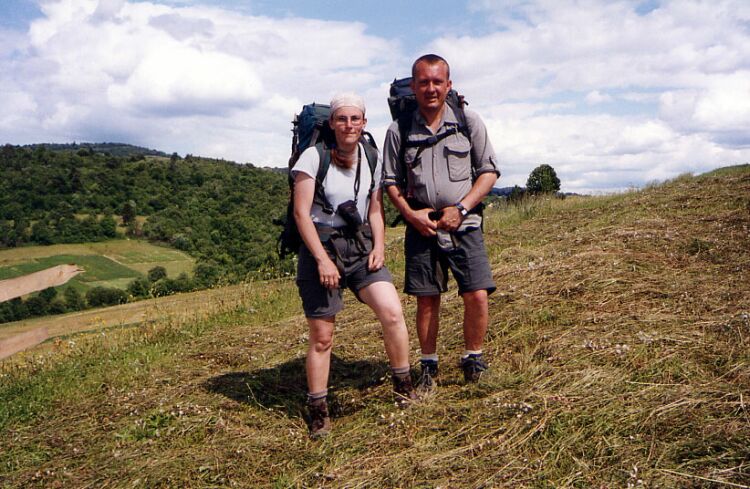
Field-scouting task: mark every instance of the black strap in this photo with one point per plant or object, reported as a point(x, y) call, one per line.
point(404, 127)
point(324, 154)
point(432, 140)
point(359, 172)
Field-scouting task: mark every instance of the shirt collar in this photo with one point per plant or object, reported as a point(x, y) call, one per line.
point(449, 117)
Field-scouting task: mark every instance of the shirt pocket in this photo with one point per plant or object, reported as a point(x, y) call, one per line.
point(458, 154)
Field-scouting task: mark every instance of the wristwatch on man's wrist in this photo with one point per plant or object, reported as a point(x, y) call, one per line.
point(461, 209)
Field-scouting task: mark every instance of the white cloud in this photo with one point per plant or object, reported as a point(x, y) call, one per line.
point(675, 82)
point(596, 97)
point(610, 97)
point(190, 79)
point(176, 79)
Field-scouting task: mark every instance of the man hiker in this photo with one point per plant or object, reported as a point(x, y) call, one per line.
point(438, 168)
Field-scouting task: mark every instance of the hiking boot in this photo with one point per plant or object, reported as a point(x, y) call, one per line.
point(320, 422)
point(404, 389)
point(426, 382)
point(473, 367)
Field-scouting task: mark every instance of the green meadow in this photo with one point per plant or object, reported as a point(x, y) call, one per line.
point(110, 264)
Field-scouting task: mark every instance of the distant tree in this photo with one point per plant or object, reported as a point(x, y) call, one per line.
point(57, 306)
point(163, 287)
point(103, 296)
point(18, 309)
point(183, 282)
point(139, 287)
point(206, 273)
point(21, 231)
point(516, 193)
point(89, 229)
point(134, 229)
point(73, 299)
point(48, 294)
point(41, 233)
point(157, 273)
point(108, 226)
point(6, 230)
point(128, 212)
point(36, 306)
point(543, 180)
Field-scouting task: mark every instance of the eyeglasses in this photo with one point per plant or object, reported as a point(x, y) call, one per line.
point(355, 120)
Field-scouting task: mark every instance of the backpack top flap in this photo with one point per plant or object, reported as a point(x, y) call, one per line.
point(402, 100)
point(311, 126)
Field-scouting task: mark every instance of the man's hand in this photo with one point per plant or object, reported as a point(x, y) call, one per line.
point(451, 219)
point(329, 274)
point(421, 221)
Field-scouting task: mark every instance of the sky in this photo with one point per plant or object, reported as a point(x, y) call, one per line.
point(612, 94)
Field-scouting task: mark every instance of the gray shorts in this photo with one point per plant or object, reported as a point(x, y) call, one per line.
point(351, 260)
point(427, 263)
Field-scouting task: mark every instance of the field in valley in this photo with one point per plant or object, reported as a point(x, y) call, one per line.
point(112, 263)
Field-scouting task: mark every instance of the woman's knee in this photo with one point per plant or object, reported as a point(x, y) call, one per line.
point(321, 344)
point(321, 334)
point(390, 313)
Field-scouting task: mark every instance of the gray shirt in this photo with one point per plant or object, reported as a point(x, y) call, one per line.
point(441, 175)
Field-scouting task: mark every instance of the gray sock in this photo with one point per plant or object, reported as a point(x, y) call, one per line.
point(401, 372)
point(316, 396)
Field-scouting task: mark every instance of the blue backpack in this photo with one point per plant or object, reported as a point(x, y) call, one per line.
point(310, 128)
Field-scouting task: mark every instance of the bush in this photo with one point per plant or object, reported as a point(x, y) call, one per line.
point(73, 299)
point(103, 296)
point(57, 307)
point(139, 287)
point(157, 273)
point(165, 286)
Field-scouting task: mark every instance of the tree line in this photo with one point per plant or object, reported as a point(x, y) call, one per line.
point(49, 301)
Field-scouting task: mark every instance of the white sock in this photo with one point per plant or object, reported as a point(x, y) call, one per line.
point(470, 352)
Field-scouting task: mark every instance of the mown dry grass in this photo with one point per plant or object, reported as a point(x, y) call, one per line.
point(619, 358)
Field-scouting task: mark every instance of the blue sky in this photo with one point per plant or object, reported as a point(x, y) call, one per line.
point(612, 94)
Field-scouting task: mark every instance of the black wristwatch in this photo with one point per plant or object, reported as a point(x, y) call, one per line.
point(461, 209)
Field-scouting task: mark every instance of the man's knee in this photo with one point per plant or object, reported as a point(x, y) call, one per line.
point(428, 301)
point(475, 298)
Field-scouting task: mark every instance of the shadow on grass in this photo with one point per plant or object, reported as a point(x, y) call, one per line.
point(284, 386)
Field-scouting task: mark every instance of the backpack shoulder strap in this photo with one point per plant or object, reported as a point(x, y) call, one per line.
point(404, 126)
point(457, 104)
point(325, 162)
point(371, 154)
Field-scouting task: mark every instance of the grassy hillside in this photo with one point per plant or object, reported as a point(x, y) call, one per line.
point(619, 358)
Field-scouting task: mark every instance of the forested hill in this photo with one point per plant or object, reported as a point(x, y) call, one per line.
point(114, 149)
point(220, 212)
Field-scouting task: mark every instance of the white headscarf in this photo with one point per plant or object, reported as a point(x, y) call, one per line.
point(347, 99)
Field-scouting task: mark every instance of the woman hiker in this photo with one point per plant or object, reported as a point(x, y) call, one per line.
point(344, 248)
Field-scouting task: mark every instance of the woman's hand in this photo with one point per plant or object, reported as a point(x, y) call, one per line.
point(376, 259)
point(329, 274)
